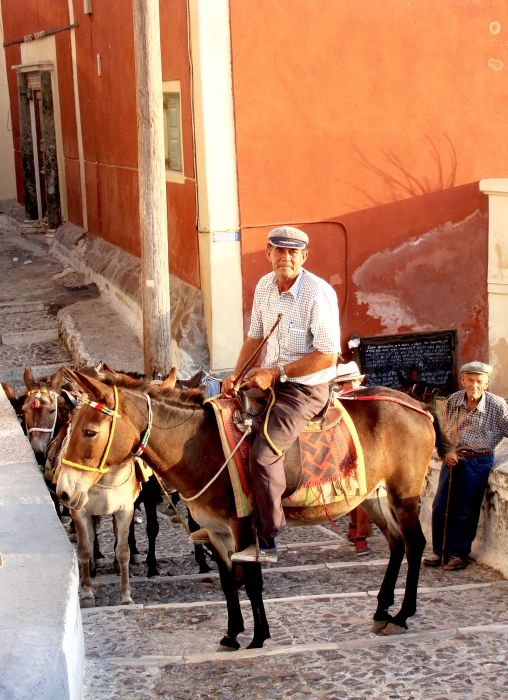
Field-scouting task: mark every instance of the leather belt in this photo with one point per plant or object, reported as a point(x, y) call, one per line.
point(474, 453)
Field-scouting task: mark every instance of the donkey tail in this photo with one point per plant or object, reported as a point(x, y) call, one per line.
point(443, 444)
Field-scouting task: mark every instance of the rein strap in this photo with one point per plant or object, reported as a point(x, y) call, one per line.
point(148, 430)
point(393, 399)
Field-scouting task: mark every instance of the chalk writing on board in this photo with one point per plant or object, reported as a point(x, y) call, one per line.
point(386, 358)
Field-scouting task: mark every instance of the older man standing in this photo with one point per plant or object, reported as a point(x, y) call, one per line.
point(475, 421)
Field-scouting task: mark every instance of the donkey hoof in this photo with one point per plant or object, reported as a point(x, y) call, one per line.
point(228, 644)
point(87, 601)
point(256, 644)
point(127, 600)
point(378, 626)
point(392, 629)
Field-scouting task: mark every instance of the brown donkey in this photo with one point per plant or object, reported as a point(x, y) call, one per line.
point(184, 449)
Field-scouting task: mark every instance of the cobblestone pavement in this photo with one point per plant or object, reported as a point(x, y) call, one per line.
point(320, 597)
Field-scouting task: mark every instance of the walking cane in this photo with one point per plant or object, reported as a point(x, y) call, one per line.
point(445, 529)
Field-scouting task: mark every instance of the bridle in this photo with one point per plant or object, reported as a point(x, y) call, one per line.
point(102, 408)
point(113, 413)
point(35, 403)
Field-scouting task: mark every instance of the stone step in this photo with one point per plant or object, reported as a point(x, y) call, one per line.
point(14, 374)
point(93, 331)
point(30, 337)
point(21, 307)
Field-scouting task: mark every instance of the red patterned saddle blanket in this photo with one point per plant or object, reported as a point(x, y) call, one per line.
point(327, 456)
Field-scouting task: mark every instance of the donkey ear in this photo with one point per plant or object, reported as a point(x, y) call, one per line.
point(28, 378)
point(57, 379)
point(170, 381)
point(89, 385)
point(9, 392)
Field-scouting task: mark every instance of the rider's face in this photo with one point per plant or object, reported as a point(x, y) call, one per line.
point(286, 263)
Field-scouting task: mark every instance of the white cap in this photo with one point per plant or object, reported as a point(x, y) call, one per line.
point(348, 371)
point(475, 367)
point(288, 237)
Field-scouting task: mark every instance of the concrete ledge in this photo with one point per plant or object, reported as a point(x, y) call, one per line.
point(490, 546)
point(118, 276)
point(41, 637)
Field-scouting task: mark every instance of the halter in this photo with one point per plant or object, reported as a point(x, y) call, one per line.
point(148, 430)
point(37, 394)
point(102, 408)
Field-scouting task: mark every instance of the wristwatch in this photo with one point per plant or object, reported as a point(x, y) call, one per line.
point(283, 377)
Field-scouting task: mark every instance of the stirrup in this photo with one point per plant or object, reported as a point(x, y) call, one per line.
point(242, 421)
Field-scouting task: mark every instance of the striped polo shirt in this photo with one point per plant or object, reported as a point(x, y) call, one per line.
point(310, 321)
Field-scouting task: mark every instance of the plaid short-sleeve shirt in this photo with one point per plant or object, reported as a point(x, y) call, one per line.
point(310, 321)
point(481, 429)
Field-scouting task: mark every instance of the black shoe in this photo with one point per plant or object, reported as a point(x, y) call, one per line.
point(433, 560)
point(456, 564)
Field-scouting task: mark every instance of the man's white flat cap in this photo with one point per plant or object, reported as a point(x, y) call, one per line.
point(475, 367)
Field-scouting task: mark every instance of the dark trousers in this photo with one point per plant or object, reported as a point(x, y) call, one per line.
point(469, 480)
point(295, 405)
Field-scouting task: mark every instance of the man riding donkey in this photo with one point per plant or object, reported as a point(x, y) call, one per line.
point(300, 361)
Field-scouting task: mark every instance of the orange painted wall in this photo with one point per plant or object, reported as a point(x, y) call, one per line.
point(108, 118)
point(383, 116)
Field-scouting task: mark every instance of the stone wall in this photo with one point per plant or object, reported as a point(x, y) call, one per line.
point(118, 275)
point(42, 645)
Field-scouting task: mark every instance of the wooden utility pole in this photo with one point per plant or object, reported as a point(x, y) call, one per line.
point(152, 188)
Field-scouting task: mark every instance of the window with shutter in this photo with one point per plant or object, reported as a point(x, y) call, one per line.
point(173, 151)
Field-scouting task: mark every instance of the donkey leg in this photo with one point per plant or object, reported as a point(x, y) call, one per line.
point(152, 530)
point(383, 516)
point(386, 594)
point(97, 554)
point(133, 548)
point(85, 534)
point(254, 590)
point(235, 619)
point(123, 518)
point(200, 557)
point(415, 544)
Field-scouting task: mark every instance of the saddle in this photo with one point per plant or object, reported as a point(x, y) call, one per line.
point(324, 465)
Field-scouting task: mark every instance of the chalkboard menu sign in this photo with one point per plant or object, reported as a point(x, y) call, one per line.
point(397, 360)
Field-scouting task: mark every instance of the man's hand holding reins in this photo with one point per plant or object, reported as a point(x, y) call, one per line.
point(260, 377)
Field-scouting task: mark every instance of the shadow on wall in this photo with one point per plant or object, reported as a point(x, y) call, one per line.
point(400, 180)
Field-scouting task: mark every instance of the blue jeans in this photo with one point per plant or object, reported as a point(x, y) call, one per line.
point(469, 480)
